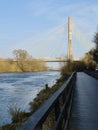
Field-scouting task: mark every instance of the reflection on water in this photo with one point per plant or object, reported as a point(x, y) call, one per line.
point(18, 89)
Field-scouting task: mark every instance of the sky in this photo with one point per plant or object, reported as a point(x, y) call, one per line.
point(40, 26)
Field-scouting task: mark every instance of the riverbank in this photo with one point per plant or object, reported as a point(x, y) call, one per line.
point(18, 89)
point(9, 65)
point(18, 116)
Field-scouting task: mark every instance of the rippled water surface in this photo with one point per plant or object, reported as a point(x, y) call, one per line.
point(18, 89)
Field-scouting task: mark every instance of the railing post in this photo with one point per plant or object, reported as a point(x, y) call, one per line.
point(64, 97)
point(57, 110)
point(39, 127)
point(57, 113)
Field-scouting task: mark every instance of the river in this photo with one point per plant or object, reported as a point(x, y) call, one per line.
point(18, 89)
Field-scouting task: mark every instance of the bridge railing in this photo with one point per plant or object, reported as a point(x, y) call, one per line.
point(62, 113)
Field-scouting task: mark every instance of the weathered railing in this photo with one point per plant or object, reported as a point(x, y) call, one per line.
point(62, 114)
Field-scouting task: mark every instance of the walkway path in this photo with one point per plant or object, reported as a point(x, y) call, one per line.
point(85, 103)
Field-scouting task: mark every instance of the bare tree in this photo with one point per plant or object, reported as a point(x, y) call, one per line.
point(21, 57)
point(25, 62)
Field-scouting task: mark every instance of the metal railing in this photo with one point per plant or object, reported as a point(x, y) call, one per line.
point(62, 114)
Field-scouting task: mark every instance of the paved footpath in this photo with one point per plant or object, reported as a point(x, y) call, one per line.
point(85, 103)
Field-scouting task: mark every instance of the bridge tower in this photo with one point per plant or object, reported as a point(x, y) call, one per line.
point(70, 55)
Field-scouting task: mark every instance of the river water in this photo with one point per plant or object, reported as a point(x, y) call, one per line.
point(18, 89)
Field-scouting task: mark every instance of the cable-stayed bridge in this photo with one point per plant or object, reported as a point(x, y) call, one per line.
point(49, 59)
point(58, 45)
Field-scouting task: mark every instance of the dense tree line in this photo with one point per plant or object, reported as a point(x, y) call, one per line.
point(90, 60)
point(94, 52)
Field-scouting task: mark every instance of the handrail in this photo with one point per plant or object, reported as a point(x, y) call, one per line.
point(36, 121)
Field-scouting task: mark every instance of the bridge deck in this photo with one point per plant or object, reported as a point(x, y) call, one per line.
point(85, 103)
